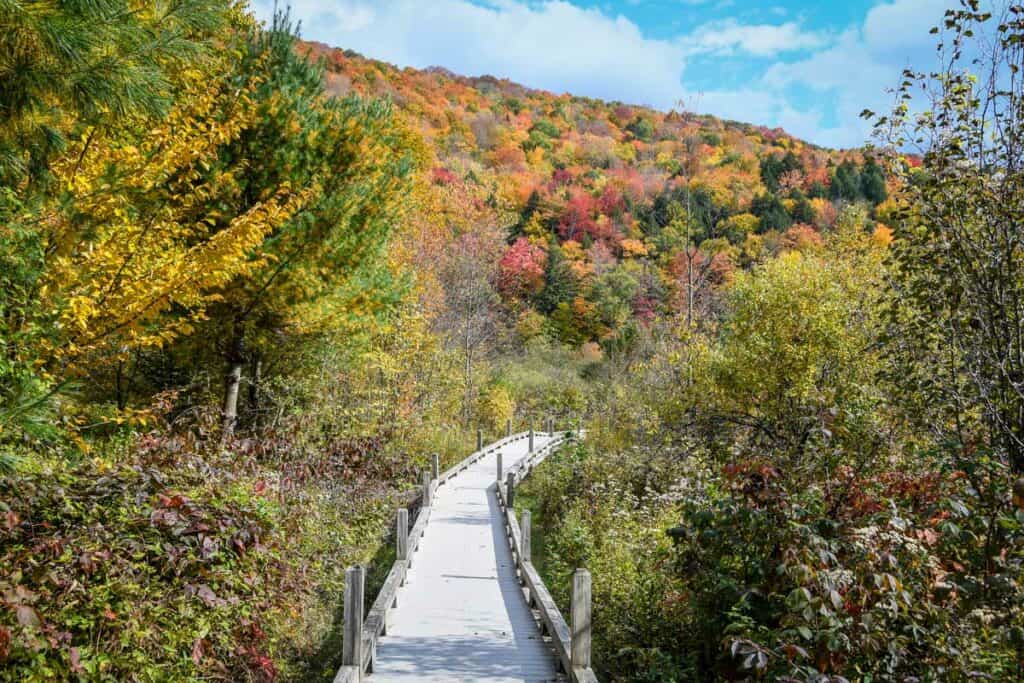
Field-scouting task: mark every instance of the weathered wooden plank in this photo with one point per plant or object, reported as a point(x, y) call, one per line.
point(525, 551)
point(462, 615)
point(418, 530)
point(512, 527)
point(510, 490)
point(352, 638)
point(427, 488)
point(581, 621)
point(554, 624)
point(347, 674)
point(376, 620)
point(553, 620)
point(402, 535)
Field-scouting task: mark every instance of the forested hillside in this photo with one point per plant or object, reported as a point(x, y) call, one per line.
point(613, 215)
point(250, 285)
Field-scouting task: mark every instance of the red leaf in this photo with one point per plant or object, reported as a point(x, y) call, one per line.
point(197, 651)
point(76, 665)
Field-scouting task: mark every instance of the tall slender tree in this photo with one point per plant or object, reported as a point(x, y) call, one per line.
point(350, 158)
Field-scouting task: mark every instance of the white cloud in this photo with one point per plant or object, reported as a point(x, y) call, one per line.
point(728, 38)
point(856, 72)
point(553, 45)
point(900, 28)
point(849, 75)
point(560, 46)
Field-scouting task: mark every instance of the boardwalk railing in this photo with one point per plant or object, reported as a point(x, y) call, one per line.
point(571, 645)
point(359, 648)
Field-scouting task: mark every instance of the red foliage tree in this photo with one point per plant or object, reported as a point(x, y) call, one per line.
point(611, 203)
point(579, 218)
point(521, 269)
point(442, 176)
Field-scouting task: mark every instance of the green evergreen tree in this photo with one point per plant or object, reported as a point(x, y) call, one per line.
point(533, 205)
point(773, 167)
point(802, 211)
point(641, 129)
point(772, 213)
point(560, 285)
point(872, 182)
point(353, 157)
point(69, 65)
point(846, 184)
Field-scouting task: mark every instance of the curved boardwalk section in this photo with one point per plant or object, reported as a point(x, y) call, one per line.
point(462, 615)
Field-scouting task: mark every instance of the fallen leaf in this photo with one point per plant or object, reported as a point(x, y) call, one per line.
point(27, 616)
point(207, 595)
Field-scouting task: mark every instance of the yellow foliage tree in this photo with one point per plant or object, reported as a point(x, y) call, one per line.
point(137, 233)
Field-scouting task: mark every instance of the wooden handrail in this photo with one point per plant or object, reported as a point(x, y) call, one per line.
point(552, 621)
point(375, 624)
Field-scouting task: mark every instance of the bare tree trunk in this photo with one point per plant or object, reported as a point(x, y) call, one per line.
point(469, 380)
point(119, 384)
point(235, 357)
point(254, 389)
point(690, 255)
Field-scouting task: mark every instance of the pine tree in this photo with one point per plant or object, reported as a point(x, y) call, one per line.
point(72, 64)
point(872, 182)
point(560, 285)
point(846, 183)
point(326, 263)
point(802, 211)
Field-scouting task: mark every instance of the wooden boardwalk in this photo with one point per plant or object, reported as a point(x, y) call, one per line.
point(462, 615)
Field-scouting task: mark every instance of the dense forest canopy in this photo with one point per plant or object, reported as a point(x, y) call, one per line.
point(616, 214)
point(250, 285)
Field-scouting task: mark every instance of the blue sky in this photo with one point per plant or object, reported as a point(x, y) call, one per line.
point(807, 66)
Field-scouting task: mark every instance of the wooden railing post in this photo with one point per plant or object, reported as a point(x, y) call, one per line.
point(426, 489)
point(479, 439)
point(352, 642)
point(508, 427)
point(436, 465)
point(580, 635)
point(510, 487)
point(402, 535)
point(524, 536)
point(531, 435)
point(499, 468)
